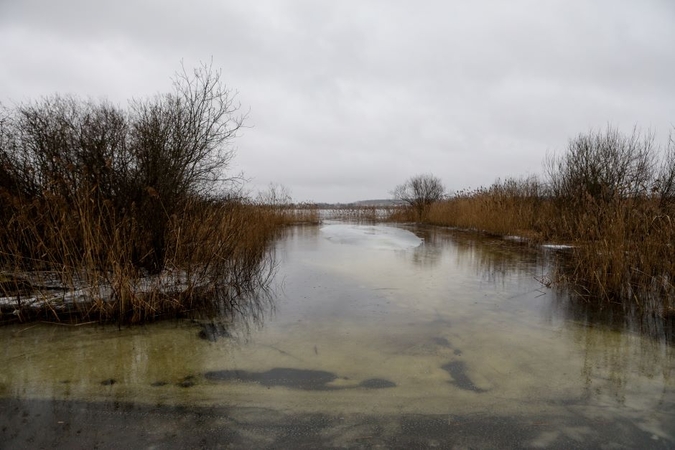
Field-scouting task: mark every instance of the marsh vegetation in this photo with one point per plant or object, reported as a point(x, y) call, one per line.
point(128, 215)
point(609, 196)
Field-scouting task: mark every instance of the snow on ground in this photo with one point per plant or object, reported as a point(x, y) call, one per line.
point(557, 246)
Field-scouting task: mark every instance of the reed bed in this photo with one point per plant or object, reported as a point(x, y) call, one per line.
point(305, 214)
point(611, 197)
point(364, 214)
point(83, 267)
point(512, 207)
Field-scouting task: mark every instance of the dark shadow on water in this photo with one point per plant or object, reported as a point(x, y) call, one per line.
point(303, 379)
point(377, 383)
point(187, 382)
point(310, 380)
point(457, 370)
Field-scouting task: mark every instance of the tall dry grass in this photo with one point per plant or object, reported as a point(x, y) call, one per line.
point(509, 207)
point(59, 265)
point(361, 214)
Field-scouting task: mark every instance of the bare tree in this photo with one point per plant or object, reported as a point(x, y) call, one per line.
point(180, 143)
point(276, 195)
point(664, 186)
point(419, 192)
point(181, 139)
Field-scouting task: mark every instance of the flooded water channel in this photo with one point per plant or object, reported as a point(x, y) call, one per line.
point(375, 336)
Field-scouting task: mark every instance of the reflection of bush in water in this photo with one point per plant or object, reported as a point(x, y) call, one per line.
point(620, 343)
point(492, 257)
point(650, 313)
point(619, 318)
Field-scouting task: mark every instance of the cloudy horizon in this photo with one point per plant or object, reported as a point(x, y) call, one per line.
point(345, 100)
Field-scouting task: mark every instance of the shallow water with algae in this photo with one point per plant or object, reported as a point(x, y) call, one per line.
point(375, 336)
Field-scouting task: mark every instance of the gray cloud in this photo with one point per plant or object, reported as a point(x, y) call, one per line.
point(348, 99)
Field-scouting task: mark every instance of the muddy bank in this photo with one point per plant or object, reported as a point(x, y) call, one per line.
point(44, 424)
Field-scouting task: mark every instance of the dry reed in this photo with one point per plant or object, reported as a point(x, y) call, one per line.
point(122, 215)
point(611, 197)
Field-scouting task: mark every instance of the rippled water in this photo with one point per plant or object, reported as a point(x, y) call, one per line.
point(378, 336)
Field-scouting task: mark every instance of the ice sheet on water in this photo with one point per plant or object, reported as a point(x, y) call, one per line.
point(378, 237)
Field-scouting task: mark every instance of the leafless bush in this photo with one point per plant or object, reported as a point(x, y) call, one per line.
point(147, 161)
point(419, 192)
point(115, 201)
point(603, 167)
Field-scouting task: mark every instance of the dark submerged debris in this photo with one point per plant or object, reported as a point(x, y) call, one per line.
point(377, 383)
point(187, 382)
point(457, 370)
point(308, 380)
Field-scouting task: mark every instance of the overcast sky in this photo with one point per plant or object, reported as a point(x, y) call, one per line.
point(347, 99)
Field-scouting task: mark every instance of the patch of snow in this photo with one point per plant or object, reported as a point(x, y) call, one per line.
point(557, 246)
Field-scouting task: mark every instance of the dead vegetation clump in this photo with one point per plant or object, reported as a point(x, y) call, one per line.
point(127, 215)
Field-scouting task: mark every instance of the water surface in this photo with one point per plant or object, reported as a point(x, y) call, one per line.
point(378, 336)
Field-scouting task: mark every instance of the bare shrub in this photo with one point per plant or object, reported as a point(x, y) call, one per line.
point(114, 204)
point(664, 187)
point(603, 166)
point(179, 148)
point(147, 161)
point(419, 192)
